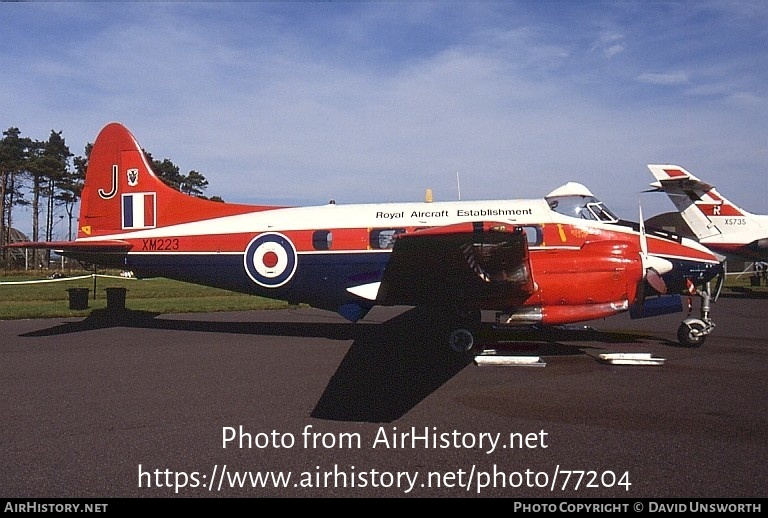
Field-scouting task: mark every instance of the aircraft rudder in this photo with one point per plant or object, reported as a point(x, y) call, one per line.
point(120, 192)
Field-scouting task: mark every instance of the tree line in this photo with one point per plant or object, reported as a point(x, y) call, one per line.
point(45, 176)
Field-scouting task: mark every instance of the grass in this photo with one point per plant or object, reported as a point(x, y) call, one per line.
point(742, 285)
point(51, 299)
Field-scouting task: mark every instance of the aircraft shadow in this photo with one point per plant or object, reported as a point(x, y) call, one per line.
point(390, 367)
point(104, 319)
point(393, 366)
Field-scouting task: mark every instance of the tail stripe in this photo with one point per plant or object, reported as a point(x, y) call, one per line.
point(675, 173)
point(139, 210)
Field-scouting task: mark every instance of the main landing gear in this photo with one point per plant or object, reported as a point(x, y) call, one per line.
point(461, 332)
point(461, 340)
point(693, 331)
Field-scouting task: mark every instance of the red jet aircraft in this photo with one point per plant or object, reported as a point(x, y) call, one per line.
point(561, 259)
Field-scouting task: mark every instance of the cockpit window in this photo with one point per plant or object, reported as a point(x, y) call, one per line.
point(584, 207)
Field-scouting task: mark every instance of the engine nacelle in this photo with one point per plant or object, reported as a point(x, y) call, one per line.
point(600, 272)
point(599, 280)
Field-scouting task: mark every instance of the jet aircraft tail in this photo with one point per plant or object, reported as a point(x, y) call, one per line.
point(706, 211)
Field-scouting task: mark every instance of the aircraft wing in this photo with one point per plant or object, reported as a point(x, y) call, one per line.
point(85, 247)
point(481, 265)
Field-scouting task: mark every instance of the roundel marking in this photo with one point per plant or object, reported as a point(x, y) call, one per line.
point(270, 260)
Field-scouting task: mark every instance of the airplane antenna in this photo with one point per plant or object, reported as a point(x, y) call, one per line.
point(458, 185)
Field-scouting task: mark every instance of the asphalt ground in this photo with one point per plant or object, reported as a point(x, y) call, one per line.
point(131, 404)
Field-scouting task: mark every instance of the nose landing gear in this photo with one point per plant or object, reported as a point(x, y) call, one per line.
point(694, 331)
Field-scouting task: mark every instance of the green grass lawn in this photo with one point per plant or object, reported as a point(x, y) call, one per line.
point(51, 298)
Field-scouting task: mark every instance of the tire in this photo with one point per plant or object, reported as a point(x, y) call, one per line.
point(686, 334)
point(461, 340)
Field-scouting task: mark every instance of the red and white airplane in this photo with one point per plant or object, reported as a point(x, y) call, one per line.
point(716, 222)
point(556, 260)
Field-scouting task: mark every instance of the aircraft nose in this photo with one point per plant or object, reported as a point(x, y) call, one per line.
point(704, 272)
point(697, 272)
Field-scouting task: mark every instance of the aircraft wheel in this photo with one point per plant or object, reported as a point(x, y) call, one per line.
point(688, 334)
point(461, 340)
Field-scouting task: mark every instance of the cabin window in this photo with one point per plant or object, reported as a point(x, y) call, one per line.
point(384, 238)
point(533, 234)
point(322, 239)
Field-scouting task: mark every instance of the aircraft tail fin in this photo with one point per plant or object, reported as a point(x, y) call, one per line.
point(122, 194)
point(701, 206)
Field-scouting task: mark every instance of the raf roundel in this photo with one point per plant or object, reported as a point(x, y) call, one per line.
point(270, 260)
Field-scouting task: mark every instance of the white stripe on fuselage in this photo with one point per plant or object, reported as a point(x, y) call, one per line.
point(384, 215)
point(381, 215)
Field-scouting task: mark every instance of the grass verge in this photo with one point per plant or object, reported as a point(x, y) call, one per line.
point(50, 298)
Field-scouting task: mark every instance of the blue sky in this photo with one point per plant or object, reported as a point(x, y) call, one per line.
point(301, 102)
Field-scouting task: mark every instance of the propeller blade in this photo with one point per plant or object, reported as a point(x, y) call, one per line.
point(653, 266)
point(655, 280)
point(659, 264)
point(643, 239)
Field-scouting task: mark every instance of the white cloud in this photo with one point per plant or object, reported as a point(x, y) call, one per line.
point(610, 44)
point(673, 78)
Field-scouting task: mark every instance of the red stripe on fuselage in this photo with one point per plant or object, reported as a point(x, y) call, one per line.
point(360, 239)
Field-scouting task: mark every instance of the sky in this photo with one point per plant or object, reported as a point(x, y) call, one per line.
point(298, 103)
